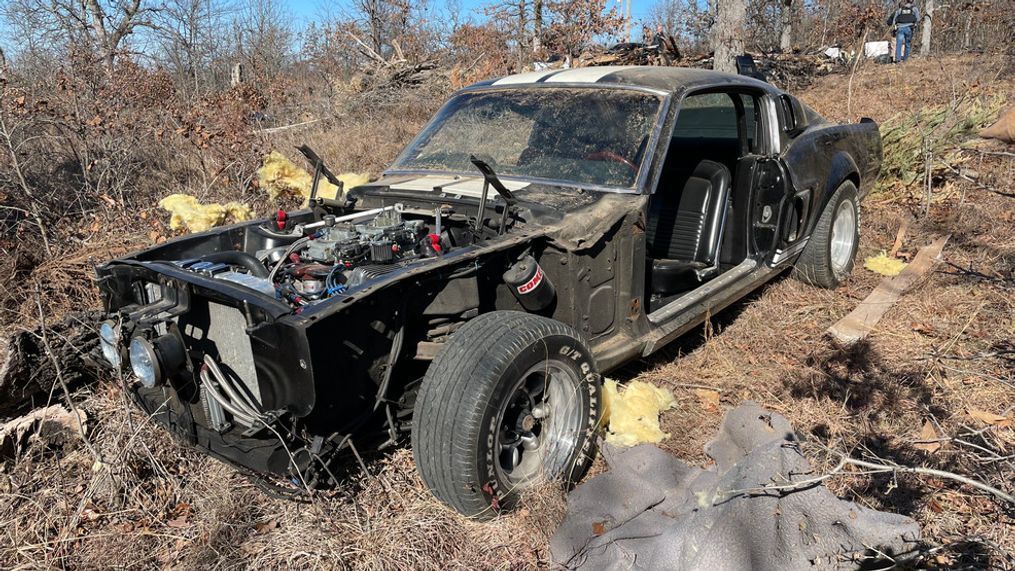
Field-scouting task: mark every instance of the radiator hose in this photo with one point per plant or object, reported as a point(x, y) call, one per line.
point(252, 264)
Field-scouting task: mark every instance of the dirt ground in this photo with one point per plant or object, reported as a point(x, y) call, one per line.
point(941, 360)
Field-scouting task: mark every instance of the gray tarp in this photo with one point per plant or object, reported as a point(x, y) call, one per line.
point(653, 511)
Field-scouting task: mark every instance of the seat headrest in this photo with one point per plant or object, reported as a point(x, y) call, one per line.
point(716, 173)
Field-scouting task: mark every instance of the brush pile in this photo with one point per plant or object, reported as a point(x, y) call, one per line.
point(792, 70)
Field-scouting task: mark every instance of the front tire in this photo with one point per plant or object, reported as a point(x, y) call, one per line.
point(511, 401)
point(827, 259)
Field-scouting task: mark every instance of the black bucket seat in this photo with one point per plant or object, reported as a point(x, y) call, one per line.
point(684, 230)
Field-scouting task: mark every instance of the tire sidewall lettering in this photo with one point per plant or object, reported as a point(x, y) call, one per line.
point(571, 355)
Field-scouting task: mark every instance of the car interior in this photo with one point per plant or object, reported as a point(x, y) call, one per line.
point(692, 232)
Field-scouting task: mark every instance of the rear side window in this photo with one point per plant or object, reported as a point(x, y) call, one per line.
point(709, 116)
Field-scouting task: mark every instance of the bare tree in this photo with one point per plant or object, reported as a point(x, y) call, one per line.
point(264, 39)
point(384, 21)
point(537, 25)
point(928, 21)
point(189, 39)
point(786, 35)
point(575, 24)
point(669, 14)
point(100, 26)
point(728, 33)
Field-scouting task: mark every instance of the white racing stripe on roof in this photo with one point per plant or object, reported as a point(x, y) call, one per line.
point(530, 77)
point(585, 74)
point(580, 75)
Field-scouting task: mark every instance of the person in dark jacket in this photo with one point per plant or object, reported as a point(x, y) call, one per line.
point(659, 43)
point(902, 23)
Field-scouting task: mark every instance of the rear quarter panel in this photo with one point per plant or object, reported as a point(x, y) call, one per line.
point(827, 154)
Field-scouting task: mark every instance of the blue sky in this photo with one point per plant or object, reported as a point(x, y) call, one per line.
point(306, 11)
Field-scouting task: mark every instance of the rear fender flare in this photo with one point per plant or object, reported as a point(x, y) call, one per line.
point(841, 169)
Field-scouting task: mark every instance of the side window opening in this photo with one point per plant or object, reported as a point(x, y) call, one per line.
point(688, 212)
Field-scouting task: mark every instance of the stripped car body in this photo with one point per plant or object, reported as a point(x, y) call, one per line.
point(283, 375)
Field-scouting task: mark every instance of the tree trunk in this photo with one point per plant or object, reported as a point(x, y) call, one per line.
point(537, 24)
point(786, 37)
point(728, 34)
point(928, 20)
point(967, 42)
point(522, 37)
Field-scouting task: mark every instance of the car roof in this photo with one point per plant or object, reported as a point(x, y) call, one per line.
point(663, 78)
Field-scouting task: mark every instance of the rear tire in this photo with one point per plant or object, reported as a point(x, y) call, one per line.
point(511, 401)
point(827, 259)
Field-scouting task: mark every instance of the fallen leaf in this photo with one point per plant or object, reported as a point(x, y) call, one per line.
point(990, 418)
point(929, 438)
point(709, 399)
point(598, 528)
point(178, 522)
point(265, 526)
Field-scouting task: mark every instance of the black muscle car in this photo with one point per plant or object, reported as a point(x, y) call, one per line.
point(542, 229)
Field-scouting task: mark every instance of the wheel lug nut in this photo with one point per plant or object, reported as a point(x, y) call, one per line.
point(541, 411)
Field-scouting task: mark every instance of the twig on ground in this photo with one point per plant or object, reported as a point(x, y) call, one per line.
point(1000, 281)
point(978, 184)
point(59, 376)
point(871, 468)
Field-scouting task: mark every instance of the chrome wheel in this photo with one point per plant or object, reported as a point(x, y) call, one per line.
point(538, 425)
point(843, 237)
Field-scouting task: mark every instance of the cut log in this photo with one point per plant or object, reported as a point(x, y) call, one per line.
point(27, 372)
point(54, 425)
point(861, 321)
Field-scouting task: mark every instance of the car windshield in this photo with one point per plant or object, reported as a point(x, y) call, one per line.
point(586, 136)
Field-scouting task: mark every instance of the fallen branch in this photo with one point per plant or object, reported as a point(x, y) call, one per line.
point(978, 184)
point(871, 468)
point(896, 468)
point(287, 127)
point(969, 272)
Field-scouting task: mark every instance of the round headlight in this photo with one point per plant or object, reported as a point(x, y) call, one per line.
point(108, 332)
point(109, 341)
point(112, 354)
point(144, 362)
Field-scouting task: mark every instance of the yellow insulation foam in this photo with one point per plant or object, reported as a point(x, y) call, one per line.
point(187, 210)
point(884, 265)
point(633, 413)
point(281, 177)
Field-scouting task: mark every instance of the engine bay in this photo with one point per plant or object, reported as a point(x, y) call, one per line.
point(306, 263)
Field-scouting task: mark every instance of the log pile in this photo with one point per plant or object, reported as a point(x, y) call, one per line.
point(27, 368)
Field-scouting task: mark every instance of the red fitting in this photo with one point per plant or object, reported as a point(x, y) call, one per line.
point(435, 243)
point(280, 218)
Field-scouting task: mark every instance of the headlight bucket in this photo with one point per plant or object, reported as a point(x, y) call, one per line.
point(144, 361)
point(155, 361)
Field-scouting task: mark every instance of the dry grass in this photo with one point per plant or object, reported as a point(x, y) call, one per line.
point(153, 502)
